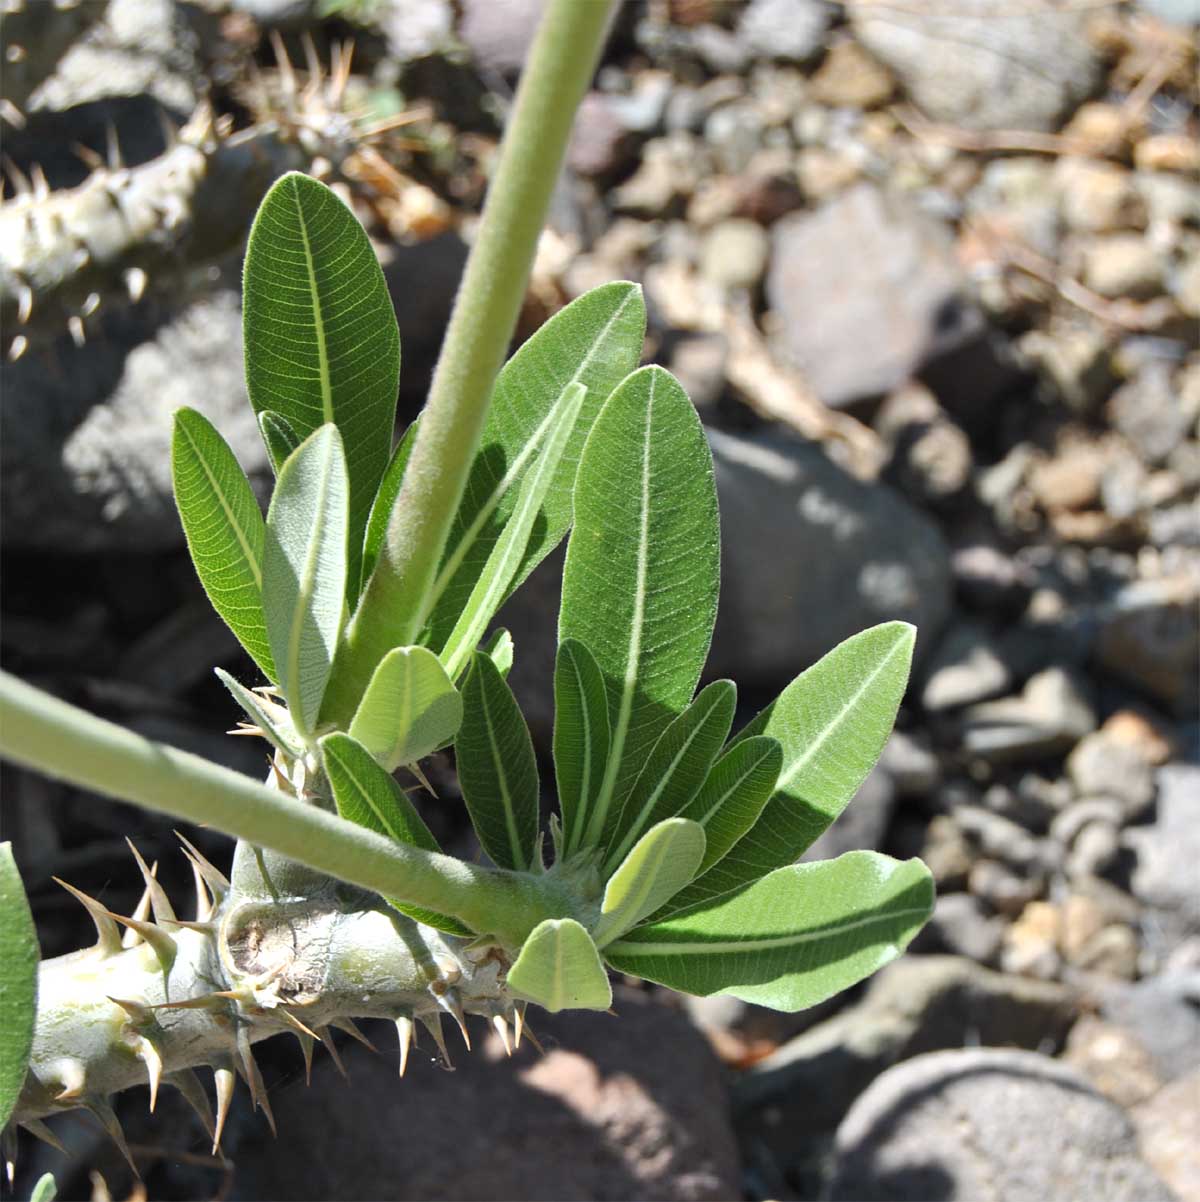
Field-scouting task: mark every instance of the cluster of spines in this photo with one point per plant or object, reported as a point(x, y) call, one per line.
point(252, 1005)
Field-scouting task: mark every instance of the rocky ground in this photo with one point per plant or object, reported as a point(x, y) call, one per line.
point(931, 274)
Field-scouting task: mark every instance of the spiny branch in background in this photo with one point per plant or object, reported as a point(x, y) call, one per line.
point(168, 995)
point(67, 254)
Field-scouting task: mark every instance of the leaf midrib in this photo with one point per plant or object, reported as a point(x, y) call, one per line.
point(625, 709)
point(510, 822)
point(247, 551)
point(826, 734)
point(318, 318)
point(686, 947)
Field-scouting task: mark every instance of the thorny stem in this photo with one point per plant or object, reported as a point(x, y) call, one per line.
point(67, 743)
point(396, 602)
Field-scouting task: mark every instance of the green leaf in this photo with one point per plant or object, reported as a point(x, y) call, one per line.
point(367, 795)
point(224, 529)
point(321, 340)
point(410, 708)
point(832, 722)
point(499, 649)
point(664, 859)
point(794, 938)
point(278, 436)
point(46, 1189)
point(640, 581)
point(676, 768)
point(508, 552)
point(273, 720)
point(581, 736)
point(304, 571)
point(18, 988)
point(595, 341)
point(497, 768)
point(734, 794)
point(559, 969)
point(385, 499)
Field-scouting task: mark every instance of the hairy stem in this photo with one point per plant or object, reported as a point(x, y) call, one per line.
point(395, 604)
point(67, 743)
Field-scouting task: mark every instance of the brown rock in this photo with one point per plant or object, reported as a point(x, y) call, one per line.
point(1169, 1129)
point(850, 78)
point(1113, 1059)
point(1031, 943)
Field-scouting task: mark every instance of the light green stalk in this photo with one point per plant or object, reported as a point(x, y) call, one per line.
point(395, 604)
point(67, 743)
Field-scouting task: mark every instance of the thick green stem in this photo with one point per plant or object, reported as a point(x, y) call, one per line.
point(396, 602)
point(65, 742)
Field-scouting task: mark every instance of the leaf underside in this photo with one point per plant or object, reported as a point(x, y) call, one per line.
point(790, 940)
point(560, 969)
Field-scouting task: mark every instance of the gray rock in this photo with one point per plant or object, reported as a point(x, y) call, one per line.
point(989, 1123)
point(1103, 765)
point(912, 764)
point(863, 823)
point(983, 65)
point(1005, 891)
point(698, 363)
point(1052, 713)
point(618, 1108)
point(86, 447)
point(1147, 411)
point(988, 579)
point(418, 28)
point(734, 253)
point(1168, 852)
point(790, 29)
point(961, 926)
point(1124, 265)
point(599, 139)
point(918, 1004)
point(1001, 839)
point(498, 33)
point(810, 556)
point(867, 292)
point(1169, 1127)
point(1150, 638)
point(1163, 1013)
point(964, 669)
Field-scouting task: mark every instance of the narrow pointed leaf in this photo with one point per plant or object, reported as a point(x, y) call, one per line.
point(304, 571)
point(385, 499)
point(581, 736)
point(321, 340)
point(499, 648)
point(409, 710)
point(661, 863)
point(497, 768)
point(640, 581)
point(676, 768)
point(832, 722)
point(224, 529)
point(735, 791)
point(46, 1189)
point(508, 553)
point(792, 939)
point(367, 795)
point(278, 436)
point(560, 969)
point(273, 720)
point(18, 993)
point(595, 341)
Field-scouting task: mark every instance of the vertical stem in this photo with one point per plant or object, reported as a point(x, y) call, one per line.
point(395, 603)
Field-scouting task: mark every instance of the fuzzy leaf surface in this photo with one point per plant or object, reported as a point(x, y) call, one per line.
point(832, 722)
point(662, 861)
point(224, 529)
point(367, 795)
point(321, 340)
point(559, 968)
point(497, 768)
point(640, 581)
point(46, 1189)
point(792, 939)
point(595, 341)
point(278, 436)
point(18, 982)
point(581, 736)
point(499, 648)
point(304, 571)
point(508, 553)
point(410, 708)
point(676, 768)
point(385, 499)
